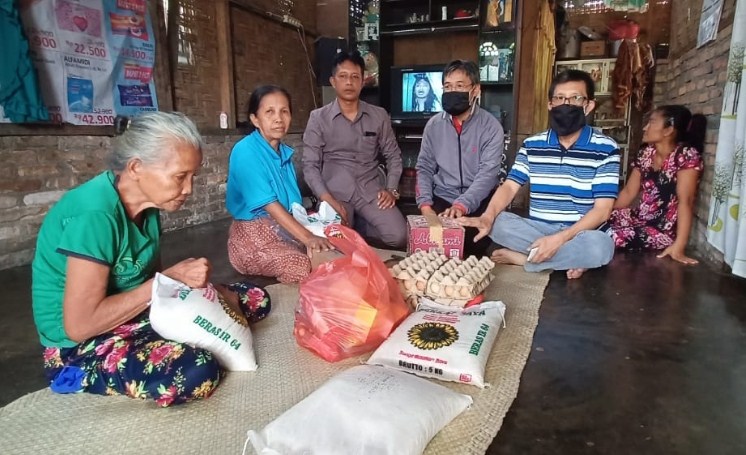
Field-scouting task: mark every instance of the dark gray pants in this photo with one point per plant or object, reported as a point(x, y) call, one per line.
point(388, 226)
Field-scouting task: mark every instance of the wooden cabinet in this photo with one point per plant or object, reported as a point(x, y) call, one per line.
point(499, 43)
point(417, 16)
point(600, 70)
point(430, 33)
point(434, 32)
point(364, 36)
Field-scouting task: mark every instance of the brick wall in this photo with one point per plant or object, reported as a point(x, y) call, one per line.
point(37, 170)
point(267, 52)
point(264, 51)
point(196, 69)
point(695, 78)
point(660, 86)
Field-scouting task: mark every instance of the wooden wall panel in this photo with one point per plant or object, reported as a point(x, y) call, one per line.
point(435, 48)
point(332, 18)
point(268, 52)
point(197, 69)
point(304, 10)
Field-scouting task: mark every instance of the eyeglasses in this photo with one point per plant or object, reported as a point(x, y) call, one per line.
point(354, 77)
point(575, 100)
point(457, 87)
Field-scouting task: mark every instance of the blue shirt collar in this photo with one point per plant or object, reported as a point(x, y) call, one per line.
point(583, 139)
point(286, 152)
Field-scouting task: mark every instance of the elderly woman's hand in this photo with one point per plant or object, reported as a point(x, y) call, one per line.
point(195, 273)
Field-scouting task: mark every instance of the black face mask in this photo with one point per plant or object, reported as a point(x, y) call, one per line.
point(566, 119)
point(455, 103)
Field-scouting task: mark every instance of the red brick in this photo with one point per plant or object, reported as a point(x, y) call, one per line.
point(37, 171)
point(20, 186)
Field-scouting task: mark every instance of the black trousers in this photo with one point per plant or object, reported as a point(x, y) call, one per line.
point(479, 248)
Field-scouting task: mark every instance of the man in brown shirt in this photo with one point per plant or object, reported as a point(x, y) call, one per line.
point(340, 157)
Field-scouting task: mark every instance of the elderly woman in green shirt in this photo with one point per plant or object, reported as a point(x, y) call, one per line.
point(96, 254)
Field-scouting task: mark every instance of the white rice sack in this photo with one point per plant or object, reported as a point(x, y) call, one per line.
point(198, 317)
point(362, 411)
point(447, 343)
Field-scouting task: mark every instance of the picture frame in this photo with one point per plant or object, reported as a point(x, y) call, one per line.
point(371, 31)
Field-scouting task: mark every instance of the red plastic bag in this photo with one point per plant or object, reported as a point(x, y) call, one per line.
point(350, 305)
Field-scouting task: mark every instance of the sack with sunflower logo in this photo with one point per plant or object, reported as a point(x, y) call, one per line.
point(202, 318)
point(446, 343)
point(348, 306)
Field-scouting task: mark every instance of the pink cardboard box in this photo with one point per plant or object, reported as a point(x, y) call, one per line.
point(422, 231)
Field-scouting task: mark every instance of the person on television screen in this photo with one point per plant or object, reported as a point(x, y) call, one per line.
point(461, 153)
point(424, 98)
point(342, 143)
point(573, 173)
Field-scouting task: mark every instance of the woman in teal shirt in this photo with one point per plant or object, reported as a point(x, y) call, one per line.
point(96, 254)
point(264, 238)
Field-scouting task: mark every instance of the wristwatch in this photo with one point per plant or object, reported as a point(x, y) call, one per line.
point(395, 193)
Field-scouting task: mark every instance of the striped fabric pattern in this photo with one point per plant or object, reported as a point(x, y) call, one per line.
point(565, 183)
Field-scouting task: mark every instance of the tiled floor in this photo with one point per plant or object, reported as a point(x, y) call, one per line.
point(644, 356)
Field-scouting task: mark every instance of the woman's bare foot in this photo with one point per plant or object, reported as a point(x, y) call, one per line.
point(506, 256)
point(574, 274)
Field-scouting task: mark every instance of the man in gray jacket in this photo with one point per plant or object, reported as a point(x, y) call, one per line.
point(461, 152)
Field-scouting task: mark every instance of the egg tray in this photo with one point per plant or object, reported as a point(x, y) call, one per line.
point(433, 275)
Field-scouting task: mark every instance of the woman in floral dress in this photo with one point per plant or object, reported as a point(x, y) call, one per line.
point(96, 254)
point(665, 176)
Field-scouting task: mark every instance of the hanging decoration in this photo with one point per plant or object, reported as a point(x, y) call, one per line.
point(709, 21)
point(633, 72)
point(20, 100)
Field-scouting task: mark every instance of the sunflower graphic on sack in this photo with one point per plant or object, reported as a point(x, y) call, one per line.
point(432, 335)
point(442, 342)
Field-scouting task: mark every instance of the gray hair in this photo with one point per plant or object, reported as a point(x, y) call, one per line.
point(145, 136)
point(467, 66)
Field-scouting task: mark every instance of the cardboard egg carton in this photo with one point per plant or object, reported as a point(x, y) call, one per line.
point(434, 276)
point(413, 272)
point(462, 280)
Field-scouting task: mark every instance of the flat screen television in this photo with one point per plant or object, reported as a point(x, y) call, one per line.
point(416, 92)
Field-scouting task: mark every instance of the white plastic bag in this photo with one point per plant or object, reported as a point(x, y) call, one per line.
point(316, 221)
point(197, 317)
point(361, 411)
point(442, 342)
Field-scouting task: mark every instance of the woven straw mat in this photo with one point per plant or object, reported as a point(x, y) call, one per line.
point(43, 422)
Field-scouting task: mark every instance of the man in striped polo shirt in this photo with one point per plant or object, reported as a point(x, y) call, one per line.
point(573, 173)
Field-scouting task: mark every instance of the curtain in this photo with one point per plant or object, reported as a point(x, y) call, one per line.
point(544, 58)
point(20, 98)
point(726, 226)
